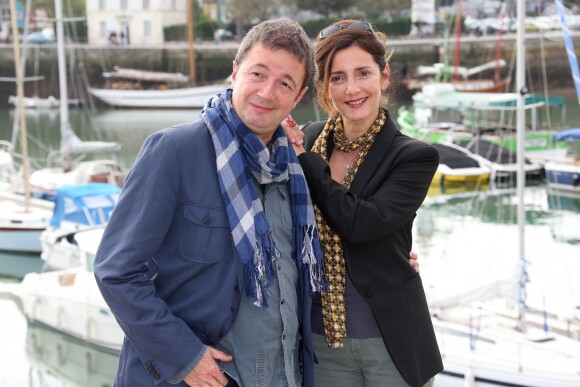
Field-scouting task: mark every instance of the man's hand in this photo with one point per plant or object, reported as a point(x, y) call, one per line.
point(294, 134)
point(414, 261)
point(208, 372)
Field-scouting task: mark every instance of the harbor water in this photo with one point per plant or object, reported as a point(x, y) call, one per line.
point(460, 234)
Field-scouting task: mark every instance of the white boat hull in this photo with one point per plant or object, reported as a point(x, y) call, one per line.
point(22, 241)
point(494, 355)
point(193, 97)
point(61, 250)
point(69, 301)
point(20, 228)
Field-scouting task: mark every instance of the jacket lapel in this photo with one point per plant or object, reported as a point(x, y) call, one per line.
point(373, 159)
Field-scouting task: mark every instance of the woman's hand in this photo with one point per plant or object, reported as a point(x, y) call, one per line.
point(414, 261)
point(294, 134)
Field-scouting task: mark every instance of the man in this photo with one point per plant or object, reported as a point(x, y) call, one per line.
point(210, 258)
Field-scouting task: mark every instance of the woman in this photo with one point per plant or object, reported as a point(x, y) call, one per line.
point(372, 325)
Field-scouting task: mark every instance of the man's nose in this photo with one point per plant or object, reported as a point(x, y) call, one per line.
point(267, 90)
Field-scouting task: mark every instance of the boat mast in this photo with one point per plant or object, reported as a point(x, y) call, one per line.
point(62, 78)
point(190, 38)
point(499, 41)
point(521, 176)
point(20, 94)
point(457, 40)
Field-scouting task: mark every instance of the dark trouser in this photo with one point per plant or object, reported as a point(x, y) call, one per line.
point(360, 363)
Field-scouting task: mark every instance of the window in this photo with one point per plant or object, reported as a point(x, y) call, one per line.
point(174, 5)
point(145, 4)
point(103, 29)
point(123, 4)
point(147, 29)
point(102, 4)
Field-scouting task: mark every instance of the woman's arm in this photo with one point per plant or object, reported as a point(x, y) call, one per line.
point(401, 191)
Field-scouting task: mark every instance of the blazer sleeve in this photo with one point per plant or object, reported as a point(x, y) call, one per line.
point(403, 185)
point(125, 267)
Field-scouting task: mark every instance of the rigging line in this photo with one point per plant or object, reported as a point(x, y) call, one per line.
point(545, 82)
point(22, 59)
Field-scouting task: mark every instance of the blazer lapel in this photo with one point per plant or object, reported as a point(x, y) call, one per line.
point(376, 154)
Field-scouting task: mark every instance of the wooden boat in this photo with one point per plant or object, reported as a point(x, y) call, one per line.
point(133, 88)
point(428, 74)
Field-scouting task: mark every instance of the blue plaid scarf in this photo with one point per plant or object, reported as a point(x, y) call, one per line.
point(242, 157)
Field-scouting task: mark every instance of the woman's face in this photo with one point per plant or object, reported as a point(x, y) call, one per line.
point(355, 85)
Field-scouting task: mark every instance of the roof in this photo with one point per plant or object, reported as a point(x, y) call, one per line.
point(86, 204)
point(444, 96)
point(568, 135)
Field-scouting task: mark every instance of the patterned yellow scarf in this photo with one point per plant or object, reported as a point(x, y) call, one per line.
point(333, 308)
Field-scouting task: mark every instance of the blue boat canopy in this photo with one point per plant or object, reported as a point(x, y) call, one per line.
point(87, 204)
point(567, 135)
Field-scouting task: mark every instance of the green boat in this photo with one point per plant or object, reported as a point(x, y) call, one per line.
point(442, 115)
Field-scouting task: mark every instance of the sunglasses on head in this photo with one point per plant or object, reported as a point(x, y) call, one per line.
point(357, 25)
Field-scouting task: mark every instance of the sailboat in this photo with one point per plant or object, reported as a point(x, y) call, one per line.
point(461, 77)
point(68, 300)
point(21, 219)
point(48, 180)
point(481, 347)
point(134, 88)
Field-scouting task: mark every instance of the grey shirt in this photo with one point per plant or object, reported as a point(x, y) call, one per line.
point(264, 342)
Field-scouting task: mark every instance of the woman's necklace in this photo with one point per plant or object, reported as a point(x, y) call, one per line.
point(349, 157)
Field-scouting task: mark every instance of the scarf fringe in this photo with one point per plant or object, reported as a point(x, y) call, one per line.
point(259, 272)
point(308, 259)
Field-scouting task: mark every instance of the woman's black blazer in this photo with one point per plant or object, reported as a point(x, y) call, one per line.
point(374, 219)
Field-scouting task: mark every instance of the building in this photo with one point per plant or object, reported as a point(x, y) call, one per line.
point(138, 22)
point(5, 19)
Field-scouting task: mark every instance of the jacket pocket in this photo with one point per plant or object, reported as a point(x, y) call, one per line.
point(206, 233)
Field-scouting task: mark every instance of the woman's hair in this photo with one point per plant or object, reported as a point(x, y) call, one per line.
point(326, 48)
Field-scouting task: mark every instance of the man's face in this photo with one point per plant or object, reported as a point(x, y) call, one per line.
point(266, 87)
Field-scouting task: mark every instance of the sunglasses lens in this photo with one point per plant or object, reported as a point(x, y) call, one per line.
point(357, 25)
point(325, 33)
point(360, 25)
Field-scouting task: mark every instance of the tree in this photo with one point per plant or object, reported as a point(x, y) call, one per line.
point(376, 9)
point(325, 7)
point(244, 12)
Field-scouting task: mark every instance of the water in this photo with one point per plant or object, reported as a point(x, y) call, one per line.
point(462, 237)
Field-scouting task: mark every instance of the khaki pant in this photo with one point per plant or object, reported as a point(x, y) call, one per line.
point(360, 363)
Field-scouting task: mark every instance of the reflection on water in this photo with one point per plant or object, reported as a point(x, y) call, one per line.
point(469, 238)
point(17, 265)
point(56, 359)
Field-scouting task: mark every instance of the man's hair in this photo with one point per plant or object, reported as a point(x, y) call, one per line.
point(281, 34)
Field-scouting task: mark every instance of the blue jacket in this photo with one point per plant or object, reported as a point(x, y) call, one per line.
point(166, 265)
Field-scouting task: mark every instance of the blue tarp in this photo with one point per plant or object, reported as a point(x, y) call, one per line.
point(87, 204)
point(568, 135)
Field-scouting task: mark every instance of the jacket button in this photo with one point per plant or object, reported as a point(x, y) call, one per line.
point(155, 376)
point(206, 220)
point(237, 289)
point(148, 363)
